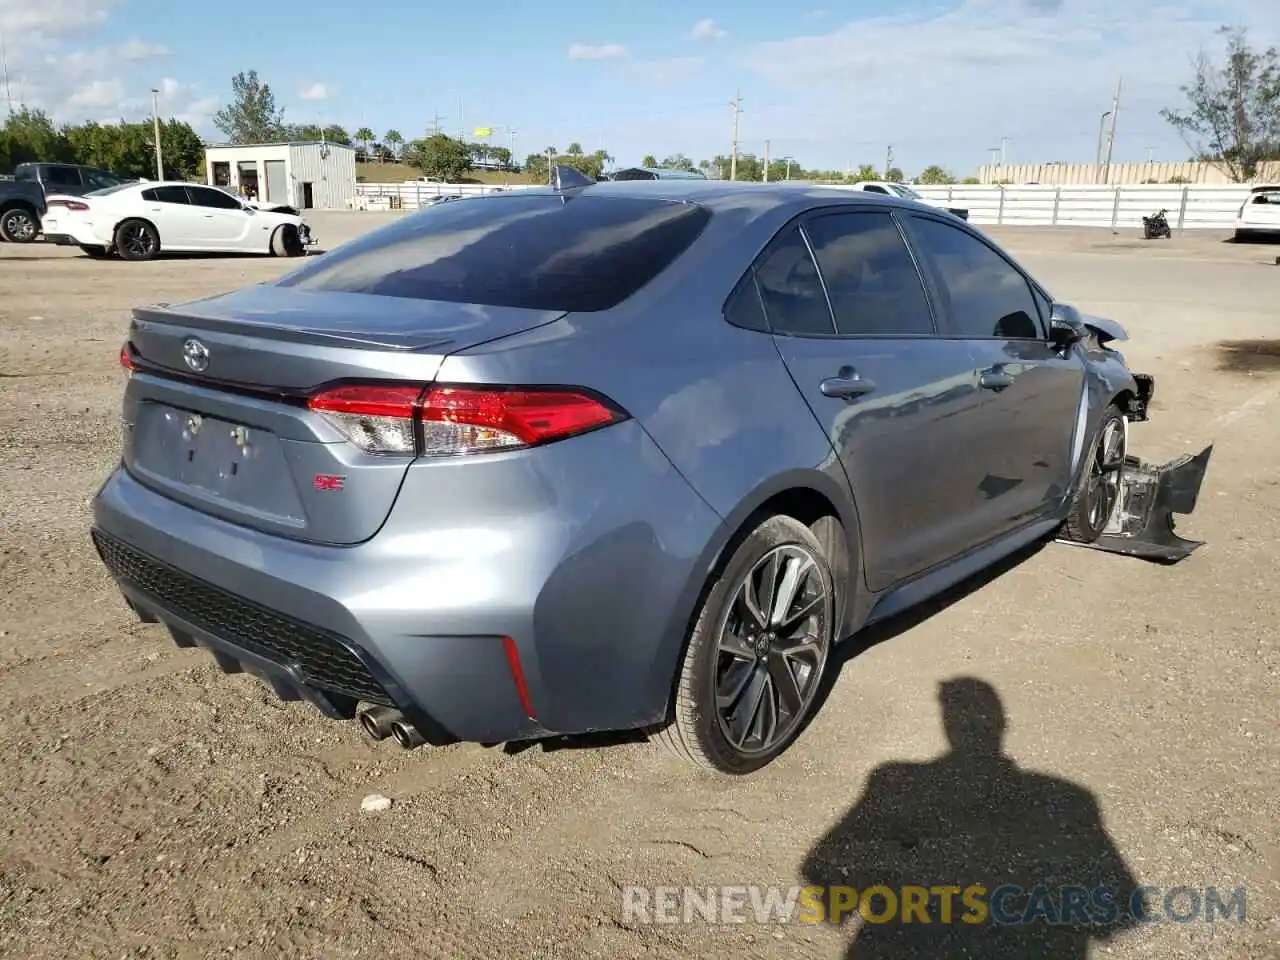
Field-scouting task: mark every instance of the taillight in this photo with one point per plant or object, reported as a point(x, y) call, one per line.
point(450, 421)
point(126, 358)
point(69, 204)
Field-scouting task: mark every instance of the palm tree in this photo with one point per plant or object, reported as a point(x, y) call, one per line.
point(394, 140)
point(365, 136)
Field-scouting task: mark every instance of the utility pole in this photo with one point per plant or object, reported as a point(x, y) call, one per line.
point(4, 59)
point(766, 161)
point(155, 128)
point(733, 156)
point(1004, 151)
point(1111, 138)
point(1150, 152)
point(888, 161)
point(435, 123)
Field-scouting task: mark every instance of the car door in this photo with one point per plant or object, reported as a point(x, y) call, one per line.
point(851, 319)
point(1031, 395)
point(169, 209)
point(221, 221)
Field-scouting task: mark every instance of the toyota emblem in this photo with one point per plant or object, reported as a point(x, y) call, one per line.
point(196, 355)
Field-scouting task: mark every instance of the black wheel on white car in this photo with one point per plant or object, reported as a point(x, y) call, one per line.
point(286, 242)
point(19, 225)
point(757, 652)
point(137, 240)
point(1098, 491)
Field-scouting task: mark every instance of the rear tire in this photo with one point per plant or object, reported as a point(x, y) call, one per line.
point(757, 652)
point(137, 240)
point(1098, 490)
point(19, 225)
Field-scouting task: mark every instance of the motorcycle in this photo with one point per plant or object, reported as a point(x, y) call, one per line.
point(1156, 226)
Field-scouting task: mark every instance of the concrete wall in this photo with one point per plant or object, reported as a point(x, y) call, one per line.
point(1121, 173)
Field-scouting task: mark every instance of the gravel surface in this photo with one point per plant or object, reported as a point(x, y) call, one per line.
point(154, 807)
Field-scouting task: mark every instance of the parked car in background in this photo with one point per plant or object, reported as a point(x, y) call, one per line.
point(22, 204)
point(139, 221)
point(1259, 215)
point(67, 179)
point(630, 455)
point(886, 188)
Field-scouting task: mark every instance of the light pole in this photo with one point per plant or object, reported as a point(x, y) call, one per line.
point(155, 127)
point(1102, 127)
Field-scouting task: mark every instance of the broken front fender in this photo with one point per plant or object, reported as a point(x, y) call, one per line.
point(1142, 524)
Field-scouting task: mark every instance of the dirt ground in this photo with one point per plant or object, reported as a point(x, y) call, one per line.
point(153, 807)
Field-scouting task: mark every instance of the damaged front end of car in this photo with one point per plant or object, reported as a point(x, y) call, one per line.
point(1141, 525)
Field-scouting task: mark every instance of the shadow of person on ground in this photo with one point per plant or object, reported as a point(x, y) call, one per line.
point(974, 818)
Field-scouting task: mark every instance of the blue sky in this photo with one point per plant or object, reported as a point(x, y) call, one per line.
point(830, 82)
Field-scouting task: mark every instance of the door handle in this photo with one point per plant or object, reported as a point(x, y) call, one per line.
point(847, 385)
point(994, 379)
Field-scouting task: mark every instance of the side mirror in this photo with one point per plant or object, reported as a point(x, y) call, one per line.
point(1065, 326)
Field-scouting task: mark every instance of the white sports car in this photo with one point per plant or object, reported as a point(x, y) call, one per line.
point(1259, 215)
point(138, 221)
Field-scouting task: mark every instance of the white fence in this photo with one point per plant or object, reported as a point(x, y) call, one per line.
point(1189, 207)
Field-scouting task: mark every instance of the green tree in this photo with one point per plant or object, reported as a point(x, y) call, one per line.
point(395, 141)
point(29, 135)
point(935, 176)
point(866, 172)
point(1233, 110)
point(894, 175)
point(364, 137)
point(502, 155)
point(678, 162)
point(535, 164)
point(441, 157)
point(252, 115)
point(649, 160)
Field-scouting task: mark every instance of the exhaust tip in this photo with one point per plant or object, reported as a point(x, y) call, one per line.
point(376, 722)
point(406, 735)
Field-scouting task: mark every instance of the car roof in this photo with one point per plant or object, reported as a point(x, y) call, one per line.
point(1263, 187)
point(723, 194)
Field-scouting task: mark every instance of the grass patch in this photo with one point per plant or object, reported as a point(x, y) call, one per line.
point(400, 172)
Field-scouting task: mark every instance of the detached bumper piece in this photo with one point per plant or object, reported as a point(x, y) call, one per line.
point(1142, 525)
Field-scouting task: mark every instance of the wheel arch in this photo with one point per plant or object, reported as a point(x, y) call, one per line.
point(809, 496)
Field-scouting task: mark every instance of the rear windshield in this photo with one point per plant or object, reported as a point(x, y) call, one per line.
point(542, 252)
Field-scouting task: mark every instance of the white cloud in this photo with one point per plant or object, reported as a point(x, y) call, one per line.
point(315, 91)
point(54, 66)
point(945, 86)
point(597, 51)
point(706, 30)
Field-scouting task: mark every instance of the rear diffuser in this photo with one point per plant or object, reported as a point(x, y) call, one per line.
point(1142, 525)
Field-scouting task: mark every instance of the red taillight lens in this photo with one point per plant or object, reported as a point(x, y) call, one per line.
point(126, 358)
point(457, 421)
point(462, 420)
point(68, 204)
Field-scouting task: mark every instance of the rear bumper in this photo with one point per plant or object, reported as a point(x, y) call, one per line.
point(595, 600)
point(61, 239)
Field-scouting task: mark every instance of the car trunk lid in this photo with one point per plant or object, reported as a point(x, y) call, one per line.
point(216, 414)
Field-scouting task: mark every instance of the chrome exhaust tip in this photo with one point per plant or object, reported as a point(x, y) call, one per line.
point(406, 734)
point(378, 721)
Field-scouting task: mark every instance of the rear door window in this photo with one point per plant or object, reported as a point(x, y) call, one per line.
point(575, 254)
point(208, 197)
point(790, 289)
point(166, 195)
point(873, 284)
point(62, 176)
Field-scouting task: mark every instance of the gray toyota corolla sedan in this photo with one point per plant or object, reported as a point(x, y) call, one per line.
point(606, 456)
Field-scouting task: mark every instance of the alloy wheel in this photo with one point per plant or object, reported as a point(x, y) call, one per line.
point(772, 649)
point(137, 239)
point(1104, 474)
point(20, 227)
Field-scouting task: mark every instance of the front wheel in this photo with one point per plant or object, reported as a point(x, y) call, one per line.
point(1098, 492)
point(286, 242)
point(757, 652)
point(19, 225)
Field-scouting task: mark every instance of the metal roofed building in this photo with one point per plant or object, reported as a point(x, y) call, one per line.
point(309, 175)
